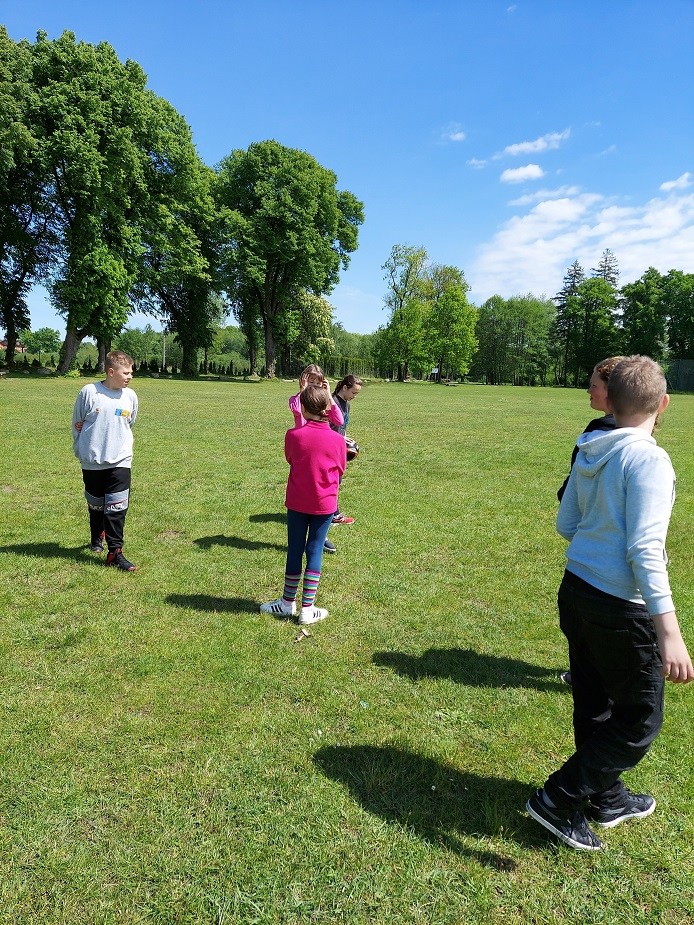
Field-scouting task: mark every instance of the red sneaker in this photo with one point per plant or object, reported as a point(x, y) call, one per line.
point(343, 519)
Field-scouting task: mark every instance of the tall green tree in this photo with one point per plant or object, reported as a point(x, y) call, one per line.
point(677, 293)
point(564, 335)
point(288, 229)
point(177, 278)
point(597, 333)
point(607, 268)
point(91, 117)
point(493, 333)
point(449, 325)
point(643, 317)
point(407, 294)
point(26, 228)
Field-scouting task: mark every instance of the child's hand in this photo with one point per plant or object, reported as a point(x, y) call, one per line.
point(325, 384)
point(78, 426)
point(677, 664)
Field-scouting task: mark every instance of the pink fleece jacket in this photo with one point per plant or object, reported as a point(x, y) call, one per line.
point(317, 457)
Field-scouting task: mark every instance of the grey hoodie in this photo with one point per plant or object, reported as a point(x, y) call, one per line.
point(615, 513)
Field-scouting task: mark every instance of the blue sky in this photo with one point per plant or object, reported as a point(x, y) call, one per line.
point(508, 139)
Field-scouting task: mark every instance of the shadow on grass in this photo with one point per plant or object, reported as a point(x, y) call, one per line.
point(209, 603)
point(438, 802)
point(465, 666)
point(53, 551)
point(275, 517)
point(236, 542)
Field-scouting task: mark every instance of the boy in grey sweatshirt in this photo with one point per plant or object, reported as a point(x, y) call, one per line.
point(102, 423)
point(616, 610)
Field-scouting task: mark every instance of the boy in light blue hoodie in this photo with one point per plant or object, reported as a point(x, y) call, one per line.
point(616, 610)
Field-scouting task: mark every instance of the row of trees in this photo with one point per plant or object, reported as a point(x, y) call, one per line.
point(526, 340)
point(104, 199)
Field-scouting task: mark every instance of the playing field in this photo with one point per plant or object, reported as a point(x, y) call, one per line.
point(170, 755)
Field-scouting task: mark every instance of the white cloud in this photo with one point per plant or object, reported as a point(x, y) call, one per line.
point(454, 132)
point(519, 174)
point(548, 142)
point(541, 194)
point(530, 252)
point(680, 183)
point(476, 163)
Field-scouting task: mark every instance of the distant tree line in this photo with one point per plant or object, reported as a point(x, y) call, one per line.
point(524, 340)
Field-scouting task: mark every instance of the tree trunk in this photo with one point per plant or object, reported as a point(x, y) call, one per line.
point(11, 345)
point(269, 348)
point(189, 360)
point(68, 351)
point(103, 346)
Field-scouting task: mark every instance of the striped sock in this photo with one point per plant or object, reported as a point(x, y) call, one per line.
point(291, 586)
point(308, 594)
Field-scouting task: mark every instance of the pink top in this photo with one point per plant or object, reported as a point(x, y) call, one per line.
point(317, 457)
point(334, 415)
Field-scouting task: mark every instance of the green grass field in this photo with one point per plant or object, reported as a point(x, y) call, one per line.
point(170, 755)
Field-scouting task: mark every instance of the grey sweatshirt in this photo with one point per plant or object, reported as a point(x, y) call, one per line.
point(615, 513)
point(106, 440)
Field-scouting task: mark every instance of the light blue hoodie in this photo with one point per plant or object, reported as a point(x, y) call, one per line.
point(615, 513)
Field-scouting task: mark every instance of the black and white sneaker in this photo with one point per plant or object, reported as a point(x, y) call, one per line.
point(328, 546)
point(565, 676)
point(117, 559)
point(635, 806)
point(572, 829)
point(97, 543)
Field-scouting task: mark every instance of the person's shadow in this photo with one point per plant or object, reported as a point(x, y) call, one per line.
point(465, 666)
point(273, 517)
point(52, 551)
point(236, 542)
point(443, 805)
point(211, 604)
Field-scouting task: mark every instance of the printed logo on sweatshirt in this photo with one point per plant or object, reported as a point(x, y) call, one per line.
point(122, 413)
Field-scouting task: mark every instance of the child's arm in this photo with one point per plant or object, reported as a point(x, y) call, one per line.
point(335, 415)
point(677, 663)
point(295, 408)
point(78, 414)
point(569, 513)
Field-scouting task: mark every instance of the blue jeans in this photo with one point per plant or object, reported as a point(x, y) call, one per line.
point(618, 691)
point(306, 533)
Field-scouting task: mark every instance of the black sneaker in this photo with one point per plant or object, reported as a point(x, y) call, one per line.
point(572, 830)
point(565, 676)
point(118, 559)
point(97, 544)
point(329, 547)
point(635, 806)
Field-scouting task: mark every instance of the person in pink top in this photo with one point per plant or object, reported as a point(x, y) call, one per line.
point(317, 457)
point(314, 375)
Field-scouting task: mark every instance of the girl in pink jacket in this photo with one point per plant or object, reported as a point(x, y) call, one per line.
point(317, 459)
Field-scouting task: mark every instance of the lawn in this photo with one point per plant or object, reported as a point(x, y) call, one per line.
point(171, 755)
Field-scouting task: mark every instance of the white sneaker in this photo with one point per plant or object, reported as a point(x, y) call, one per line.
point(279, 608)
point(312, 615)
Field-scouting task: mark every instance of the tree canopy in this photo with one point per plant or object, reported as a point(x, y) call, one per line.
point(287, 229)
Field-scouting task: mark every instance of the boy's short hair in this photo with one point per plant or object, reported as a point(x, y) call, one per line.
point(315, 399)
point(118, 358)
point(636, 386)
